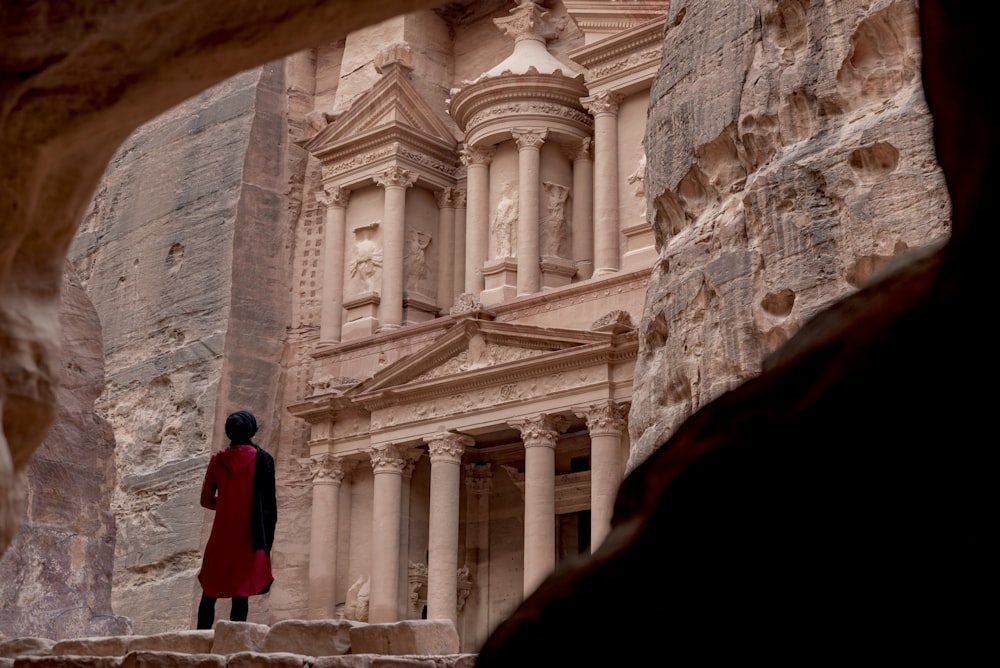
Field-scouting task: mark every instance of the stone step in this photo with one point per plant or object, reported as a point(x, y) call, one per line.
point(426, 643)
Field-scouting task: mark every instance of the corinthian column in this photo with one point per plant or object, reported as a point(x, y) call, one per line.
point(604, 107)
point(446, 248)
point(387, 465)
point(442, 541)
point(395, 180)
point(332, 304)
point(540, 435)
point(529, 143)
point(606, 423)
point(327, 474)
point(583, 209)
point(477, 216)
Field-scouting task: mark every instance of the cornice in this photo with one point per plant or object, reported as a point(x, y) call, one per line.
point(632, 55)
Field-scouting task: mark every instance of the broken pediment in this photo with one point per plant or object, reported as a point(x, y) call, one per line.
point(392, 103)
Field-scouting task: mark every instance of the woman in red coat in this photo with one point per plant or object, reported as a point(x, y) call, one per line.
point(239, 487)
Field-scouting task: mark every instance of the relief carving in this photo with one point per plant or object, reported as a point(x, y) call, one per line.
point(555, 225)
point(503, 226)
point(358, 598)
point(366, 267)
point(415, 259)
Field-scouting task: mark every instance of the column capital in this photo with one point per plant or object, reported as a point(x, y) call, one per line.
point(395, 176)
point(388, 458)
point(582, 151)
point(605, 418)
point(446, 198)
point(605, 102)
point(479, 477)
point(334, 196)
point(541, 430)
point(459, 199)
point(476, 155)
point(448, 447)
point(529, 137)
point(324, 468)
point(529, 20)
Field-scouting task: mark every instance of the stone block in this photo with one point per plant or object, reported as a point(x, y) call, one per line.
point(186, 642)
point(403, 662)
point(422, 637)
point(68, 662)
point(346, 661)
point(11, 649)
point(110, 646)
point(321, 637)
point(172, 660)
point(276, 660)
point(234, 637)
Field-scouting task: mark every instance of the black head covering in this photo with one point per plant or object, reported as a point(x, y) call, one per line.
point(240, 427)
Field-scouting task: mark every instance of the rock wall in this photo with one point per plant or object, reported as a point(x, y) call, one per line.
point(790, 157)
point(55, 579)
point(185, 254)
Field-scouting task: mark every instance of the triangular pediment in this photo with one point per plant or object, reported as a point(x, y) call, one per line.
point(392, 102)
point(477, 347)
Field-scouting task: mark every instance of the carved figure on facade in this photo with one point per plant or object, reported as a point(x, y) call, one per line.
point(358, 599)
point(366, 266)
point(325, 384)
point(478, 354)
point(616, 321)
point(637, 179)
point(555, 225)
point(464, 586)
point(503, 227)
point(465, 303)
point(415, 259)
point(417, 586)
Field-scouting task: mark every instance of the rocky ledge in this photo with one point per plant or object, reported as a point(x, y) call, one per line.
point(291, 643)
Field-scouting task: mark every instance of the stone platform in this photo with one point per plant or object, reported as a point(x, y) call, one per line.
point(290, 643)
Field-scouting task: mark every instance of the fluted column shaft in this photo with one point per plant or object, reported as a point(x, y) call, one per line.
point(583, 209)
point(387, 466)
point(540, 435)
point(395, 181)
point(604, 107)
point(529, 143)
point(442, 541)
point(606, 424)
point(327, 475)
point(477, 216)
point(446, 247)
point(332, 305)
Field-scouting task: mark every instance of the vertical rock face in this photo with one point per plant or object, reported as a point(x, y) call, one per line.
point(790, 157)
point(185, 255)
point(55, 577)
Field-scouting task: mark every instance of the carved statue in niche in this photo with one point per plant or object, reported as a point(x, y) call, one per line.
point(358, 596)
point(366, 267)
point(416, 257)
point(503, 227)
point(637, 179)
point(555, 225)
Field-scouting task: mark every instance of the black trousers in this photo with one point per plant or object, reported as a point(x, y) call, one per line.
point(206, 610)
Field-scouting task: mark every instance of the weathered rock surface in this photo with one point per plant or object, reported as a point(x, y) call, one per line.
point(54, 579)
point(798, 161)
point(331, 643)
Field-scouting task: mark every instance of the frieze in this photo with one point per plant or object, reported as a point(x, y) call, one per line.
point(360, 161)
point(569, 302)
point(428, 161)
point(526, 108)
point(633, 60)
point(534, 386)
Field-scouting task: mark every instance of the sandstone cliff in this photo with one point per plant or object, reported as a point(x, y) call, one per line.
point(790, 157)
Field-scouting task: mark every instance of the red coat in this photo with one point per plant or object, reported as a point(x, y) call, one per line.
point(231, 567)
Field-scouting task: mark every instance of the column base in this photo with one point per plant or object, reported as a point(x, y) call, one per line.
point(362, 317)
point(556, 272)
point(641, 244)
point(501, 281)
